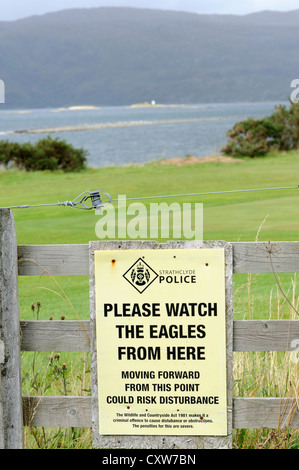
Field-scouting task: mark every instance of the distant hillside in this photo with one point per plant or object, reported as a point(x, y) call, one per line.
point(120, 56)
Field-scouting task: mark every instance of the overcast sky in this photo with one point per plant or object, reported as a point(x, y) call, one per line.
point(15, 9)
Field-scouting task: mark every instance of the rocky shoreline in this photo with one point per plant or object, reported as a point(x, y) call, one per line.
point(96, 126)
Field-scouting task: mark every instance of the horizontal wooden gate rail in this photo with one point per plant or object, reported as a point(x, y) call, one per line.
point(249, 257)
point(249, 335)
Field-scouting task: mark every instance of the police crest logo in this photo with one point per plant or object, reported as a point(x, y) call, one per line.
point(140, 275)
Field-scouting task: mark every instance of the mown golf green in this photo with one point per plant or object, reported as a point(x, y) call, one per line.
point(230, 217)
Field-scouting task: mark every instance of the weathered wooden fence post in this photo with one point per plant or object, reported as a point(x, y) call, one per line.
point(1, 399)
point(11, 416)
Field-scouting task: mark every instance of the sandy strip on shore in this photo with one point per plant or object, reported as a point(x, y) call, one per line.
point(180, 161)
point(88, 127)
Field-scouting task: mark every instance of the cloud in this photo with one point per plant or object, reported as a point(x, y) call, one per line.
point(15, 9)
point(235, 6)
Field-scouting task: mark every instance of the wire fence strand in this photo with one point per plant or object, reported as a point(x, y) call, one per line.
point(161, 196)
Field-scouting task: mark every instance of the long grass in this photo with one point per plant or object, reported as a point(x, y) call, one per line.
point(268, 374)
point(255, 374)
point(227, 217)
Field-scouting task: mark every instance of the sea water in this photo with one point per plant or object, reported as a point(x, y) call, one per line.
point(134, 135)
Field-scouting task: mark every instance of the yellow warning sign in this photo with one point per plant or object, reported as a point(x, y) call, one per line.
point(161, 341)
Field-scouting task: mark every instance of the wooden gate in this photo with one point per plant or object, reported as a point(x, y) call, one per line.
point(76, 411)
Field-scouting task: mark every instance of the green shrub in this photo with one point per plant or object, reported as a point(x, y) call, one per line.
point(257, 137)
point(46, 154)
